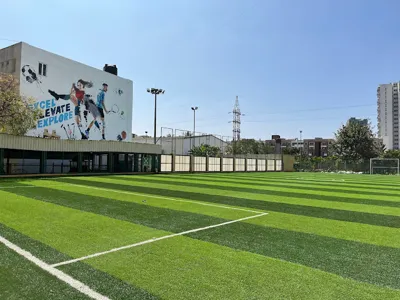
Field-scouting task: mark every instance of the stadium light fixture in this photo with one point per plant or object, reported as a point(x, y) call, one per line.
point(155, 92)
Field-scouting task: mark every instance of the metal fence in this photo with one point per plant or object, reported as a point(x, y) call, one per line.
point(182, 141)
point(332, 166)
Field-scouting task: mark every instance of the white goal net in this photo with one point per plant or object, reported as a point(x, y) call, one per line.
point(385, 166)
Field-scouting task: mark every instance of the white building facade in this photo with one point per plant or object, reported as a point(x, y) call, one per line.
point(388, 114)
point(71, 95)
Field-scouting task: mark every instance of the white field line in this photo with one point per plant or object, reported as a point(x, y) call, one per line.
point(55, 272)
point(164, 198)
point(154, 240)
point(320, 180)
point(17, 186)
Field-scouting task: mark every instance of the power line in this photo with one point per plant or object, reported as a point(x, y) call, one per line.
point(8, 40)
point(316, 109)
point(277, 121)
point(276, 113)
point(304, 119)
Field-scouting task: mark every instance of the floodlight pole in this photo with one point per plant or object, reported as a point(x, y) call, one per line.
point(194, 108)
point(155, 119)
point(155, 92)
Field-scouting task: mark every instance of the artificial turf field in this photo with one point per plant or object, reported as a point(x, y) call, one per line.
point(205, 236)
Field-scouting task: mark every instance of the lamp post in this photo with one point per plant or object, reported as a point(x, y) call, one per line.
point(194, 108)
point(301, 148)
point(155, 92)
point(301, 141)
point(146, 136)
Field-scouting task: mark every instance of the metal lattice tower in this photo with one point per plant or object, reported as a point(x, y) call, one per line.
point(236, 120)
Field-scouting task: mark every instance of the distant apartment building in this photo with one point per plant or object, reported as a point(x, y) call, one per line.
point(312, 147)
point(364, 122)
point(317, 147)
point(388, 114)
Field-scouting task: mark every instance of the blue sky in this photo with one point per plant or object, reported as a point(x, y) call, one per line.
point(295, 64)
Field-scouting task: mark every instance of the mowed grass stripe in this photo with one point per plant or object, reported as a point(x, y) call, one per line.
point(280, 196)
point(345, 258)
point(342, 180)
point(21, 279)
point(323, 186)
point(20, 282)
point(345, 178)
point(184, 268)
point(272, 205)
point(363, 233)
point(369, 263)
point(198, 207)
point(107, 206)
point(273, 190)
point(44, 253)
point(70, 230)
point(338, 229)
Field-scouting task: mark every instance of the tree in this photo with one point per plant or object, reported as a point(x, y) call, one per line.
point(392, 154)
point(205, 150)
point(355, 142)
point(17, 114)
point(249, 146)
point(291, 151)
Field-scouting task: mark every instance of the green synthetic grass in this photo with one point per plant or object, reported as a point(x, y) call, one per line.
point(21, 280)
point(382, 216)
point(326, 236)
point(199, 270)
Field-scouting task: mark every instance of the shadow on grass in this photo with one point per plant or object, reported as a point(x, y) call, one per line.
point(310, 211)
point(159, 180)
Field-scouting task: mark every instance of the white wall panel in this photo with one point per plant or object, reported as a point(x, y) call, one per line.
point(227, 164)
point(166, 163)
point(251, 165)
point(261, 165)
point(200, 164)
point(278, 165)
point(240, 164)
point(270, 165)
point(214, 164)
point(182, 163)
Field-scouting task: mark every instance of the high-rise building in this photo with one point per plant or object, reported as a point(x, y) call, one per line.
point(388, 114)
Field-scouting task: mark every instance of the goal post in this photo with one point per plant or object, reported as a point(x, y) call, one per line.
point(385, 166)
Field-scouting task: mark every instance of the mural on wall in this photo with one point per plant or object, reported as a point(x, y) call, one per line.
point(29, 75)
point(79, 107)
